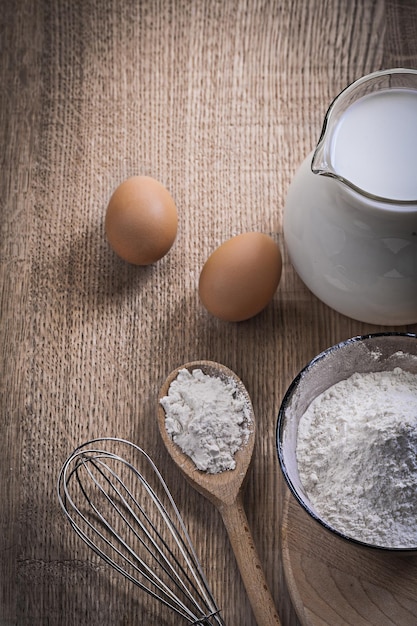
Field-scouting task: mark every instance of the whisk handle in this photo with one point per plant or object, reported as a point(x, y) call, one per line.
point(250, 567)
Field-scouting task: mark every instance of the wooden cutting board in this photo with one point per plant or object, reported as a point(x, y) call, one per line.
point(333, 583)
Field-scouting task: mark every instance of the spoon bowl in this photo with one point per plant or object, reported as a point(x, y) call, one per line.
point(225, 491)
point(221, 488)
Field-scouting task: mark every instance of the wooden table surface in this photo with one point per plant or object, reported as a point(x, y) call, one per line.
point(220, 100)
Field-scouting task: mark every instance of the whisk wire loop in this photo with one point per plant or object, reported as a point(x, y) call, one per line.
point(156, 553)
point(102, 507)
point(66, 503)
point(147, 573)
point(128, 548)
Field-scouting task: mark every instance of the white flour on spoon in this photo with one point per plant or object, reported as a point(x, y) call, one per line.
point(208, 418)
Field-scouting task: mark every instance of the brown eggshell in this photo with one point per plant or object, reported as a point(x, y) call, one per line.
point(141, 220)
point(240, 277)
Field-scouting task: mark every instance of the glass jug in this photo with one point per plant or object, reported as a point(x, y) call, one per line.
point(350, 218)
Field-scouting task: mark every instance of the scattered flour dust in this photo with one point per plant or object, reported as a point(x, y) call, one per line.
point(208, 418)
point(357, 457)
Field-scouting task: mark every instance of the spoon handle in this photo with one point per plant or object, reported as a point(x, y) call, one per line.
point(236, 523)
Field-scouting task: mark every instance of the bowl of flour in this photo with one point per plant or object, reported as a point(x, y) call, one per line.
point(347, 440)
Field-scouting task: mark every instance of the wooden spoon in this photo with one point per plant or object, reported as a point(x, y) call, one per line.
point(225, 491)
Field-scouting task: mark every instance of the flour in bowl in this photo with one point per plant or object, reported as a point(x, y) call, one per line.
point(357, 457)
point(208, 418)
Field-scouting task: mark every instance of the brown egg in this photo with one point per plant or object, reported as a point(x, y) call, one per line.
point(141, 220)
point(240, 277)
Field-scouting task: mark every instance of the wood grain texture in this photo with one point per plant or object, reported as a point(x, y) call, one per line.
point(220, 101)
point(333, 583)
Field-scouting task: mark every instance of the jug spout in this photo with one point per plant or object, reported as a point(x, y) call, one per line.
point(321, 161)
point(368, 140)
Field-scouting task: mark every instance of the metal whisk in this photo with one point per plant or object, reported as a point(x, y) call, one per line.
point(121, 507)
